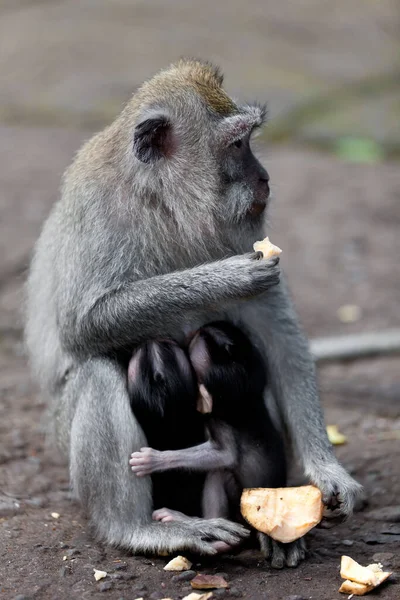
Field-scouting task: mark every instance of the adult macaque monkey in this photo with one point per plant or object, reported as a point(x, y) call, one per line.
point(151, 238)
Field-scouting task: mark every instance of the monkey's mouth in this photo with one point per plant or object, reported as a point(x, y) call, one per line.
point(257, 208)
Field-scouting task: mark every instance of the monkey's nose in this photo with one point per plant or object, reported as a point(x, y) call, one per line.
point(263, 183)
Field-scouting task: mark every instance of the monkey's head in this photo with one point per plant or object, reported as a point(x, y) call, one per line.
point(229, 369)
point(190, 143)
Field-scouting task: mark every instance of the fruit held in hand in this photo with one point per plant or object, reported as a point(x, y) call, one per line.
point(267, 249)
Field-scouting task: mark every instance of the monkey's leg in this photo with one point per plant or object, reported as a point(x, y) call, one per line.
point(103, 433)
point(281, 555)
point(215, 500)
point(273, 322)
point(204, 457)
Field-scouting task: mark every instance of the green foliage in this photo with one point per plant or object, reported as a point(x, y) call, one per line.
point(358, 149)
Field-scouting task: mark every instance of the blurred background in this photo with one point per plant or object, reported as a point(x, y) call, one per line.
point(330, 72)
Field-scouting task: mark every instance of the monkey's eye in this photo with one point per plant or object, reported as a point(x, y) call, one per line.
point(238, 143)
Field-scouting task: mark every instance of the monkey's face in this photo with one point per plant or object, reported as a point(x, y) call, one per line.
point(244, 182)
point(193, 140)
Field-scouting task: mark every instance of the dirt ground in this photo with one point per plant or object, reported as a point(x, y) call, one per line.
point(65, 69)
point(339, 230)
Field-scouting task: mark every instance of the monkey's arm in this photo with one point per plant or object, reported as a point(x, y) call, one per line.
point(205, 457)
point(96, 321)
point(293, 385)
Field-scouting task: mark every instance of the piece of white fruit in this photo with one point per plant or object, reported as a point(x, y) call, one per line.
point(99, 574)
point(285, 514)
point(194, 596)
point(360, 580)
point(268, 250)
point(350, 569)
point(179, 563)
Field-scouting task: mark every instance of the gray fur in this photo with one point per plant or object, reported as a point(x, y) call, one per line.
point(134, 251)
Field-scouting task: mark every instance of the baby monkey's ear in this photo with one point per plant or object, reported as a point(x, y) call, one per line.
point(153, 138)
point(204, 400)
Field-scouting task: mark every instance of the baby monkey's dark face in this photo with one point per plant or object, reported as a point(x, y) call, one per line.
point(229, 369)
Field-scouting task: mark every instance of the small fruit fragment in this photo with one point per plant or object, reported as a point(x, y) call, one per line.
point(352, 587)
point(268, 250)
point(350, 569)
point(335, 437)
point(349, 313)
point(285, 514)
point(194, 596)
point(99, 574)
point(360, 580)
point(208, 582)
point(179, 563)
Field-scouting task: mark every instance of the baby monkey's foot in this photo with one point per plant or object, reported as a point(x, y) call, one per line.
point(166, 515)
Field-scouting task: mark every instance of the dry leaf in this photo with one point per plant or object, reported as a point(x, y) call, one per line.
point(208, 582)
point(99, 574)
point(268, 250)
point(179, 563)
point(285, 514)
point(335, 437)
point(194, 596)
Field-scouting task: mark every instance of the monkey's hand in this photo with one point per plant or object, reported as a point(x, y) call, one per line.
point(149, 461)
point(340, 492)
point(249, 275)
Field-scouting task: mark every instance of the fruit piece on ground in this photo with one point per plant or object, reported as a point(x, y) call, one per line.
point(208, 582)
point(360, 580)
point(179, 563)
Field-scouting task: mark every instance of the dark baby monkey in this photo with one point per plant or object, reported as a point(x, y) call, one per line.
point(163, 393)
point(244, 448)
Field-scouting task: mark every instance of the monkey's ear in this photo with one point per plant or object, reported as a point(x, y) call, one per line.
point(152, 139)
point(204, 400)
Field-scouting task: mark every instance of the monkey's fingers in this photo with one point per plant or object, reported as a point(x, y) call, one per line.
point(140, 465)
point(221, 530)
point(221, 547)
point(141, 471)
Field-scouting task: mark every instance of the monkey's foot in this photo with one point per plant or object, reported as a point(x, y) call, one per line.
point(340, 492)
point(282, 555)
point(166, 515)
point(223, 535)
